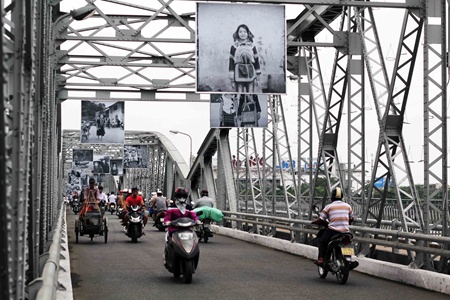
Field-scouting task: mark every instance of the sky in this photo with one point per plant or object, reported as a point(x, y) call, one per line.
point(193, 118)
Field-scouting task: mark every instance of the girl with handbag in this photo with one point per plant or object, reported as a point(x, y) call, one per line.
point(244, 68)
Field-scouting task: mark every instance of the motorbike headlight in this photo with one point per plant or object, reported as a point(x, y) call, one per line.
point(187, 240)
point(135, 220)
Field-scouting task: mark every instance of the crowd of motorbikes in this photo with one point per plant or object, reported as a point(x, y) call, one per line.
point(182, 254)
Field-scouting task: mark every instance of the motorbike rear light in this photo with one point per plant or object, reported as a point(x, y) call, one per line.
point(346, 241)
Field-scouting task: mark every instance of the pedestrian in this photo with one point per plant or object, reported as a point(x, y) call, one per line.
point(101, 126)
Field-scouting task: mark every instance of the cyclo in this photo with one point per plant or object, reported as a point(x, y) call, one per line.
point(91, 222)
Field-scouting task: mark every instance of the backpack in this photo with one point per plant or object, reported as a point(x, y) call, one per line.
point(244, 70)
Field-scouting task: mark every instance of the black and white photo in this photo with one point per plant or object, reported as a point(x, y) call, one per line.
point(238, 110)
point(102, 122)
point(82, 159)
point(241, 48)
point(101, 164)
point(116, 166)
point(135, 156)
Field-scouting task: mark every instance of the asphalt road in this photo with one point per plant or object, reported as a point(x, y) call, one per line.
point(228, 269)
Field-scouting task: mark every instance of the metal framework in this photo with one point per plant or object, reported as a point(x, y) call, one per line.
point(48, 56)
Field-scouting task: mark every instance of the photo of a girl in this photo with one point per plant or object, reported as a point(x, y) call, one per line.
point(241, 48)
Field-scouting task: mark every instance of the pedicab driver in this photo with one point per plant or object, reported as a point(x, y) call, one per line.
point(89, 195)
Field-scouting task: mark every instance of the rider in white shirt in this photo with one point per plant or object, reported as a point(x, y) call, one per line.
point(103, 198)
point(111, 199)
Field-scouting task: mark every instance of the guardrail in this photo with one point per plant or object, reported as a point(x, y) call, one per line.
point(395, 239)
point(45, 286)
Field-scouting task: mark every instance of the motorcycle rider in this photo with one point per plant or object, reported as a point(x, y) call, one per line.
point(204, 200)
point(111, 199)
point(339, 216)
point(134, 199)
point(159, 203)
point(103, 199)
point(181, 195)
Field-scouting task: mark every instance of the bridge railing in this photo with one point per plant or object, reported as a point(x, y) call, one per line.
point(45, 286)
point(302, 231)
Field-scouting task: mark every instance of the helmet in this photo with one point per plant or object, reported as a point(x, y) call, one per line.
point(336, 194)
point(134, 189)
point(158, 192)
point(181, 192)
point(204, 193)
point(153, 193)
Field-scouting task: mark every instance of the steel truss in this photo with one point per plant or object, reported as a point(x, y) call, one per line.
point(47, 57)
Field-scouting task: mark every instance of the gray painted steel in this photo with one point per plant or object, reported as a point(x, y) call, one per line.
point(39, 71)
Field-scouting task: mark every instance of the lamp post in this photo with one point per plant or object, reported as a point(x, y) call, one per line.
point(190, 144)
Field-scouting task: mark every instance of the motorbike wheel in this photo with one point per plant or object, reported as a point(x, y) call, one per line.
point(176, 269)
point(134, 234)
point(105, 230)
point(342, 274)
point(205, 238)
point(322, 272)
point(76, 231)
point(188, 270)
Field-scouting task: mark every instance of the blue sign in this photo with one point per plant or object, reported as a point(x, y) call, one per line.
point(287, 164)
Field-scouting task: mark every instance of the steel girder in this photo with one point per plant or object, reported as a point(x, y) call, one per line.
point(138, 46)
point(30, 181)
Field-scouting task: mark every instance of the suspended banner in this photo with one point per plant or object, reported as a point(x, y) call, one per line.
point(116, 166)
point(238, 110)
point(102, 122)
point(82, 159)
point(101, 164)
point(241, 48)
point(135, 156)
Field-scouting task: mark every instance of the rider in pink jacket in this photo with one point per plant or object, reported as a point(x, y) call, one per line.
point(180, 211)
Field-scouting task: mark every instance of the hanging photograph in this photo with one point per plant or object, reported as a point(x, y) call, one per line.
point(101, 164)
point(102, 122)
point(116, 166)
point(238, 110)
point(82, 159)
point(241, 48)
point(135, 156)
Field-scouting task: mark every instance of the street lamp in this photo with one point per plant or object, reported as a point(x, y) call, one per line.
point(190, 144)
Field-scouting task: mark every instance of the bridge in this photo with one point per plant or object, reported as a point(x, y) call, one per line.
point(359, 88)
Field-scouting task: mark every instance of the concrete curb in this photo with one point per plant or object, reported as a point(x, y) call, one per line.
point(64, 291)
point(420, 278)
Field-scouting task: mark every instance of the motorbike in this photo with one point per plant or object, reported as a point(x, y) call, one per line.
point(159, 220)
point(76, 206)
point(112, 207)
point(338, 257)
point(203, 230)
point(102, 207)
point(135, 223)
point(182, 251)
point(119, 212)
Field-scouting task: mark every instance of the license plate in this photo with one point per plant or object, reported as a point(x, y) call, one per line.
point(347, 251)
